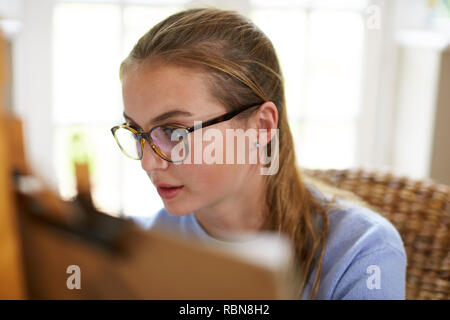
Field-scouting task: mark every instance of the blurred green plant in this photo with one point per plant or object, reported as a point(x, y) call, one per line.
point(80, 149)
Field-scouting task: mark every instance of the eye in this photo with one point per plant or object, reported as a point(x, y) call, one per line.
point(168, 130)
point(173, 133)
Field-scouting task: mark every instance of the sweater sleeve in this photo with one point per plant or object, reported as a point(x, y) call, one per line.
point(376, 275)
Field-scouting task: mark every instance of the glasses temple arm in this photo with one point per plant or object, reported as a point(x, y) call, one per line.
point(224, 117)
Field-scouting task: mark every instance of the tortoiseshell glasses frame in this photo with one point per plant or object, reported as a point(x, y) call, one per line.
point(140, 136)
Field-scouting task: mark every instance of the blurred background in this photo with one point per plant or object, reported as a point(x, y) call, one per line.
point(367, 85)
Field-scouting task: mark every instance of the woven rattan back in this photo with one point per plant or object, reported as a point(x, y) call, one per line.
point(419, 209)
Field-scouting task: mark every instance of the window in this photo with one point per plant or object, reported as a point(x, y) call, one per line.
point(319, 44)
point(320, 47)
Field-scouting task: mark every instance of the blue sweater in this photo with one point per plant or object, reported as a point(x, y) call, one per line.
point(364, 257)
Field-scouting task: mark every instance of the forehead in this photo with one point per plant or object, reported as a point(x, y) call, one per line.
point(151, 89)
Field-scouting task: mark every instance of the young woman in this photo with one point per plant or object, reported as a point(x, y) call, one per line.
point(216, 68)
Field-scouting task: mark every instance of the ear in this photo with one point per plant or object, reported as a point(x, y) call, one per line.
point(266, 118)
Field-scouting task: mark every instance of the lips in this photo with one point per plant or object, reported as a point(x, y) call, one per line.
point(167, 191)
point(165, 185)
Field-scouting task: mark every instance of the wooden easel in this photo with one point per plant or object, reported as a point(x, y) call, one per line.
point(11, 267)
point(118, 260)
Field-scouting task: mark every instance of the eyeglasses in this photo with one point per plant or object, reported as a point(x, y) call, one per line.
point(165, 138)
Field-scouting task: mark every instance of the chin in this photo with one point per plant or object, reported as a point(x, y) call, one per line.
point(177, 209)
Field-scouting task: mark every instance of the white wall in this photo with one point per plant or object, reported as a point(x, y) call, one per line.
point(420, 47)
point(400, 90)
point(376, 123)
point(31, 50)
point(418, 70)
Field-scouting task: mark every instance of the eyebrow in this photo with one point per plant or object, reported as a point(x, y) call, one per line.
point(162, 117)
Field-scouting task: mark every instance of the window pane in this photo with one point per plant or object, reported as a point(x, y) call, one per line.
point(94, 142)
point(325, 143)
point(137, 20)
point(334, 64)
point(86, 55)
point(320, 52)
point(286, 29)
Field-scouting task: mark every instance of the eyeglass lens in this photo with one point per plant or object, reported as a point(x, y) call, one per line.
point(165, 140)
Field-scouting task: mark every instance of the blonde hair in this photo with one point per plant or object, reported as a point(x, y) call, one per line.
point(244, 69)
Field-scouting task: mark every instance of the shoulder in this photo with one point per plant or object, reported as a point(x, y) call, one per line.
point(355, 226)
point(359, 241)
point(362, 229)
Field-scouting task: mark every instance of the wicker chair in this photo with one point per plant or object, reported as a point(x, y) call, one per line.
point(420, 210)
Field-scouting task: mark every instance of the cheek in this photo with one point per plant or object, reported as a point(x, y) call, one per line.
point(205, 185)
point(216, 180)
point(204, 179)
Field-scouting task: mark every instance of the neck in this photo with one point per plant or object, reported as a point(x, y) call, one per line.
point(242, 211)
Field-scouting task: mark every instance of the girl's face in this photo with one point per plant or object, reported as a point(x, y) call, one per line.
point(152, 92)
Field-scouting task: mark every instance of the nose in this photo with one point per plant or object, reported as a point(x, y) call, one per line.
point(150, 160)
